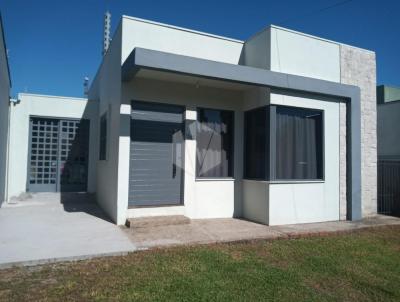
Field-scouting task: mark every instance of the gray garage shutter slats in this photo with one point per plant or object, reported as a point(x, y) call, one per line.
point(156, 157)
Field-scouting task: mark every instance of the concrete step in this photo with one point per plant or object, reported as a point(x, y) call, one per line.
point(156, 221)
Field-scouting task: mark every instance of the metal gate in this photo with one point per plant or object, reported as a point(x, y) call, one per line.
point(156, 159)
point(58, 155)
point(389, 187)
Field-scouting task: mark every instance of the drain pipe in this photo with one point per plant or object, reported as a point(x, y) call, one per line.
point(12, 102)
point(8, 151)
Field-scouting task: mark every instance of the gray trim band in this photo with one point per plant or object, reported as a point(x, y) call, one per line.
point(156, 60)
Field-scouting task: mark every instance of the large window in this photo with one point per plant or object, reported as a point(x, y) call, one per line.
point(284, 143)
point(214, 155)
point(103, 137)
point(299, 144)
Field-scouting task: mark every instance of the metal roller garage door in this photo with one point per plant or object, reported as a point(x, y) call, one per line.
point(156, 159)
point(58, 155)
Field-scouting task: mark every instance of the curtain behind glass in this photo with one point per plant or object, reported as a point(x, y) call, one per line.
point(298, 143)
point(214, 143)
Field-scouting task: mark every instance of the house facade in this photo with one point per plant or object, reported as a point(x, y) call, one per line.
point(278, 129)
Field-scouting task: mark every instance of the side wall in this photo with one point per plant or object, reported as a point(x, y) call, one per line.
point(4, 114)
point(106, 90)
point(304, 55)
point(44, 106)
point(358, 67)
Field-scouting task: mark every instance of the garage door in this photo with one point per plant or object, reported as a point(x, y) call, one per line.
point(58, 155)
point(156, 159)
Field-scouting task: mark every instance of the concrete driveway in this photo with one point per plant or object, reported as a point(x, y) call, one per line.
point(51, 227)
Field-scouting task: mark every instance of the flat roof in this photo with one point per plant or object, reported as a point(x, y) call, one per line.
point(50, 96)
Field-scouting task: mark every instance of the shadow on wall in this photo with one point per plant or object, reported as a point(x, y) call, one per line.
point(73, 166)
point(60, 159)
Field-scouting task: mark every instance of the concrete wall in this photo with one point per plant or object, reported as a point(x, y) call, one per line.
point(257, 50)
point(358, 67)
point(163, 37)
point(4, 113)
point(52, 107)
point(301, 54)
point(388, 134)
point(106, 90)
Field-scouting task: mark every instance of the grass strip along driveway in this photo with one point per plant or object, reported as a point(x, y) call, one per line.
point(359, 266)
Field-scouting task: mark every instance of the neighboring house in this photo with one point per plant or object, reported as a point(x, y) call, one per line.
point(5, 86)
point(277, 129)
point(388, 150)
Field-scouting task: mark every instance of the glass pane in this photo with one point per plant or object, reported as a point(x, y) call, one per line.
point(299, 143)
point(214, 143)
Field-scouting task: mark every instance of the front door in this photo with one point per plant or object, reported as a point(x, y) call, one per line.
point(58, 155)
point(156, 159)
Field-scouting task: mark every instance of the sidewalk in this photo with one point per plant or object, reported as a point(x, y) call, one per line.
point(205, 231)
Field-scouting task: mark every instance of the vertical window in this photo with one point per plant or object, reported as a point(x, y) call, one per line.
point(299, 144)
point(214, 155)
point(103, 137)
point(256, 142)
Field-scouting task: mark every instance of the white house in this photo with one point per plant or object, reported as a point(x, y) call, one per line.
point(278, 129)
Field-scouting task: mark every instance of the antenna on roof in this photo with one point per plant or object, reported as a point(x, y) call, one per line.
point(85, 86)
point(107, 30)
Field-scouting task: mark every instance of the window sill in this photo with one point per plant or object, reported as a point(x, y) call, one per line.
point(273, 182)
point(215, 179)
point(305, 181)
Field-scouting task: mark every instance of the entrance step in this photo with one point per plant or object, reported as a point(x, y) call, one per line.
point(156, 221)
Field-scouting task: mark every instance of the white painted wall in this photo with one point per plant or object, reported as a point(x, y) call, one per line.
point(255, 201)
point(167, 38)
point(106, 89)
point(301, 54)
point(4, 115)
point(52, 107)
point(305, 202)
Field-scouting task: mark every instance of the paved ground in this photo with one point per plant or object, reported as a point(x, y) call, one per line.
point(225, 230)
point(53, 227)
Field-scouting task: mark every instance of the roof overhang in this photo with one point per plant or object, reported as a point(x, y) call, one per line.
point(145, 59)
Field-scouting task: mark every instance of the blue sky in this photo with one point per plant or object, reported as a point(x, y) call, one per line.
point(54, 44)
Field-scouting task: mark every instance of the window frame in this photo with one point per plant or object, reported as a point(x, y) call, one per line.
point(232, 151)
point(270, 154)
point(103, 149)
point(273, 129)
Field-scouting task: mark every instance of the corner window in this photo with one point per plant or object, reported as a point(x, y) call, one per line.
point(103, 137)
point(284, 143)
point(214, 154)
point(299, 144)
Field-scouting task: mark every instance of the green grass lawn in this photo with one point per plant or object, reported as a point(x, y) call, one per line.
point(361, 266)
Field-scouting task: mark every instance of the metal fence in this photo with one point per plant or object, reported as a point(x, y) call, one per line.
point(389, 187)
